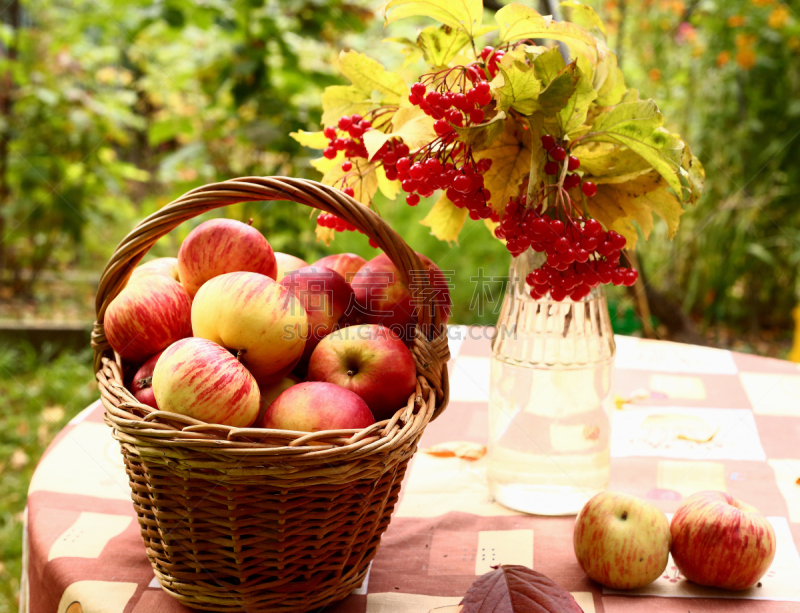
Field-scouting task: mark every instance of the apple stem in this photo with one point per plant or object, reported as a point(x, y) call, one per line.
point(351, 373)
point(145, 382)
point(241, 352)
point(250, 222)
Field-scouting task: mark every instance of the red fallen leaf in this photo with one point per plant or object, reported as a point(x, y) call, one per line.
point(517, 589)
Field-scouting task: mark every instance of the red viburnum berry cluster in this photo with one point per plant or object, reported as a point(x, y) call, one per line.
point(580, 254)
point(492, 56)
point(329, 220)
point(556, 156)
point(353, 147)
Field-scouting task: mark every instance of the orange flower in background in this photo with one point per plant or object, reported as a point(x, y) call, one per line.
point(794, 43)
point(654, 74)
point(778, 17)
point(762, 2)
point(736, 21)
point(723, 58)
point(745, 40)
point(746, 58)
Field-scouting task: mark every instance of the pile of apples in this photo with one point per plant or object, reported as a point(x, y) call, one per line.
point(231, 332)
point(716, 540)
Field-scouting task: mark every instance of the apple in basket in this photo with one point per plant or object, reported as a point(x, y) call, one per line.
point(142, 386)
point(199, 378)
point(325, 296)
point(371, 361)
point(148, 316)
point(270, 392)
point(219, 246)
point(720, 541)
point(160, 266)
point(313, 406)
point(287, 263)
point(621, 541)
point(388, 300)
point(346, 264)
point(255, 317)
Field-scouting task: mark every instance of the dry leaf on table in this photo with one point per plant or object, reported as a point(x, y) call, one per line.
point(457, 449)
point(517, 589)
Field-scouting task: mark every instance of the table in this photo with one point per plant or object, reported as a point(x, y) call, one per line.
point(83, 550)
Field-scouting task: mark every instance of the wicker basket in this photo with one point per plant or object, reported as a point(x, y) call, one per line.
point(252, 519)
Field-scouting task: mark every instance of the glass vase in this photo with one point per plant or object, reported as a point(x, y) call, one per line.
point(549, 416)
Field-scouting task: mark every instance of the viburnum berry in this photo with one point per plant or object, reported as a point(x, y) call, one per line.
point(476, 116)
point(571, 180)
point(486, 52)
point(559, 154)
point(329, 153)
point(573, 163)
point(329, 132)
point(551, 168)
point(548, 142)
point(347, 165)
point(412, 199)
point(349, 191)
point(418, 89)
point(589, 189)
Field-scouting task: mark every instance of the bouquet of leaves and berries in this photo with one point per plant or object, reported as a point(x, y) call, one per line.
point(553, 154)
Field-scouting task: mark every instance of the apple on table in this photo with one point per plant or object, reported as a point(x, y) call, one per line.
point(313, 406)
point(621, 541)
point(200, 379)
point(370, 360)
point(719, 541)
point(221, 246)
point(255, 317)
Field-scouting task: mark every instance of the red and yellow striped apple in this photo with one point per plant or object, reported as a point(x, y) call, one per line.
point(387, 299)
point(346, 264)
point(720, 541)
point(313, 406)
point(158, 266)
point(325, 296)
point(371, 361)
point(199, 378)
point(142, 385)
point(621, 541)
point(147, 317)
point(255, 317)
point(220, 246)
point(286, 264)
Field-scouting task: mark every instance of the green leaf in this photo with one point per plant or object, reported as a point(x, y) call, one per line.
point(694, 175)
point(440, 45)
point(369, 75)
point(610, 163)
point(167, 129)
point(548, 64)
point(312, 140)
point(409, 123)
point(511, 156)
point(466, 15)
point(637, 125)
point(341, 100)
point(482, 135)
point(445, 220)
point(573, 115)
point(584, 16)
point(557, 94)
point(516, 85)
point(518, 22)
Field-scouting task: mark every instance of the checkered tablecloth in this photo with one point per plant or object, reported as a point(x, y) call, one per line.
point(83, 550)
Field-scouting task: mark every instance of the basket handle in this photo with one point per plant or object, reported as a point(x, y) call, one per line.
point(263, 189)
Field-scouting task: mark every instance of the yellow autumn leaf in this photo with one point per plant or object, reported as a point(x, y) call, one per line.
point(445, 220)
point(313, 140)
point(362, 178)
point(325, 235)
point(341, 100)
point(511, 157)
point(369, 75)
point(410, 123)
point(440, 45)
point(388, 188)
point(466, 15)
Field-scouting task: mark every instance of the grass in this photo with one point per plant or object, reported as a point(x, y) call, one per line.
point(41, 392)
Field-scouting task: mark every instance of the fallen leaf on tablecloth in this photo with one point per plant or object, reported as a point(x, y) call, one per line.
point(620, 402)
point(798, 481)
point(517, 589)
point(457, 449)
point(708, 439)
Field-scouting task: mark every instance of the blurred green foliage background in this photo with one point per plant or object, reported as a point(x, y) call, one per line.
point(110, 109)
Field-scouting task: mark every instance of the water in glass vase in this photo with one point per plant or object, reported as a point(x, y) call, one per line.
point(551, 377)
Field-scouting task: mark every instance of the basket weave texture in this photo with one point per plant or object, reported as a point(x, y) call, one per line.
point(250, 519)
